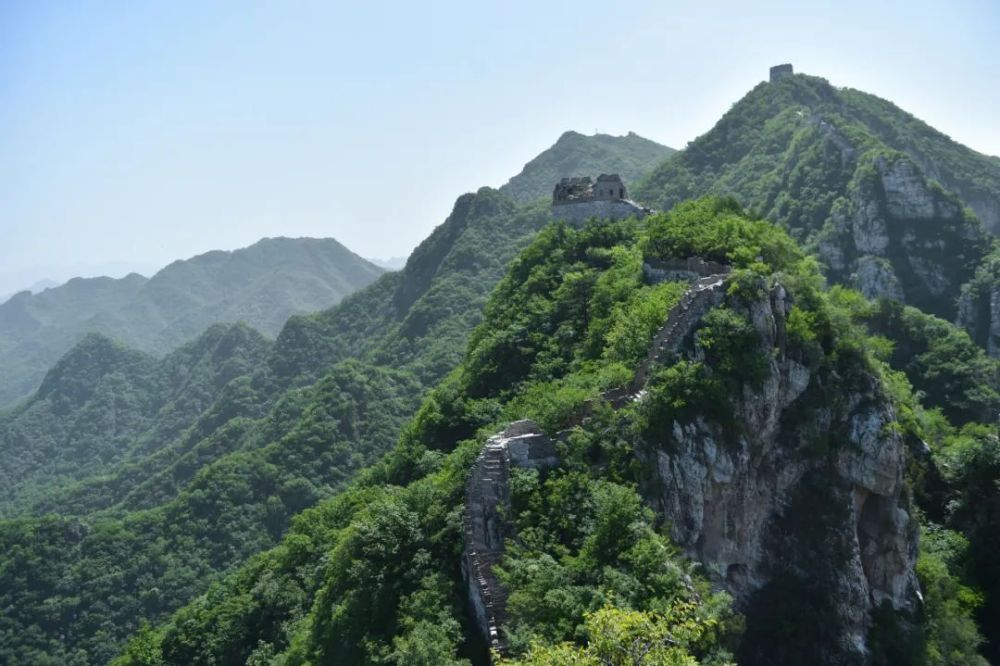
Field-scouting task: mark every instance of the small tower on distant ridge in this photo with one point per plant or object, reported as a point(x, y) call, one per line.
point(779, 72)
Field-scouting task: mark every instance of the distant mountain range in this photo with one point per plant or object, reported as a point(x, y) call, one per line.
point(34, 288)
point(262, 285)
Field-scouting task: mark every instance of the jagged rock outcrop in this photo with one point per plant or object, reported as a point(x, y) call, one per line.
point(979, 306)
point(901, 236)
point(875, 278)
point(805, 492)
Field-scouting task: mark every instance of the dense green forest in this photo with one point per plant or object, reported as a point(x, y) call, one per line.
point(372, 575)
point(261, 285)
point(327, 398)
point(103, 405)
point(300, 501)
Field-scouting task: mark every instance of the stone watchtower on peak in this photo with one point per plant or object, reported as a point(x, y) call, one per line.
point(779, 72)
point(580, 198)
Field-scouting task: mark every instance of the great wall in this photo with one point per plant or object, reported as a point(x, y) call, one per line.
point(578, 199)
point(523, 444)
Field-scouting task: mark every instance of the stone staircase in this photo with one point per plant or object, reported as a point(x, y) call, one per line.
point(487, 494)
point(701, 296)
point(704, 294)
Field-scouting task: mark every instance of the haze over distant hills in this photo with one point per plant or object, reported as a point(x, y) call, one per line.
point(34, 288)
point(390, 264)
point(40, 277)
point(261, 285)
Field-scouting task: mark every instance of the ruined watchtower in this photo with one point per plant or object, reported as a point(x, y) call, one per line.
point(580, 198)
point(779, 72)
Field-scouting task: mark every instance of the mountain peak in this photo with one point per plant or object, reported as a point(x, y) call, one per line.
point(574, 154)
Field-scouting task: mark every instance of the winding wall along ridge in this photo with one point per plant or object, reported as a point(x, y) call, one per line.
point(523, 444)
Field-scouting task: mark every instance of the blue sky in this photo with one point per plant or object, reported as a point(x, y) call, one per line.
point(142, 132)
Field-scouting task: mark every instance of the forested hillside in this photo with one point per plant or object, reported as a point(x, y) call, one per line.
point(574, 154)
point(262, 285)
point(330, 397)
point(879, 195)
point(103, 405)
point(373, 574)
point(302, 501)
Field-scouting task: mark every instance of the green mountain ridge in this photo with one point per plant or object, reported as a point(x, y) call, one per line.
point(844, 172)
point(263, 285)
point(274, 443)
point(341, 388)
point(103, 404)
point(574, 154)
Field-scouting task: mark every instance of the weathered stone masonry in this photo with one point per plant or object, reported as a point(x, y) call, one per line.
point(578, 199)
point(487, 494)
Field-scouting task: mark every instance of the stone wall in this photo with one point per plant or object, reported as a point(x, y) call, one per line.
point(656, 271)
point(487, 497)
point(581, 211)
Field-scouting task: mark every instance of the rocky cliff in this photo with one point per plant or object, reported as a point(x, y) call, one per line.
point(797, 498)
point(798, 503)
point(898, 235)
point(979, 305)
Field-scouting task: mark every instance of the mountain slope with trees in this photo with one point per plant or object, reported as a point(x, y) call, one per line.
point(262, 285)
point(104, 404)
point(877, 194)
point(373, 574)
point(332, 395)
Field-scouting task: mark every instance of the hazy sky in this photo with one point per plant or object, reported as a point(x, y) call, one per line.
point(142, 132)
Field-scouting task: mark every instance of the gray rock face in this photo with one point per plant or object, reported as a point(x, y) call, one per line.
point(875, 279)
point(906, 193)
point(868, 230)
point(735, 502)
point(898, 235)
point(987, 210)
point(979, 315)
